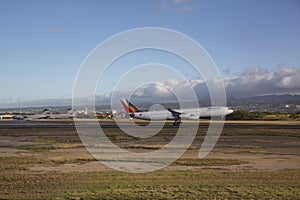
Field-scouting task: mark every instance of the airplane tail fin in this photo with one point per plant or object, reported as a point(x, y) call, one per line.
point(70, 111)
point(129, 107)
point(46, 111)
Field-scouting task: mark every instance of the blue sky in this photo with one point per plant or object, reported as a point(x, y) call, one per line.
point(44, 42)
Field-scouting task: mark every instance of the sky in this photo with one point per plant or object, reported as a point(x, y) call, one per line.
point(255, 44)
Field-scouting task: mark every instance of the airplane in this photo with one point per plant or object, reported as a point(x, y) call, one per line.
point(44, 115)
point(67, 115)
point(174, 114)
point(19, 117)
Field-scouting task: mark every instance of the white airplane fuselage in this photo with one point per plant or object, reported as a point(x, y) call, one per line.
point(192, 113)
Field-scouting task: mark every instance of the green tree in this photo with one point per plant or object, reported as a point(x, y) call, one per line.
point(245, 115)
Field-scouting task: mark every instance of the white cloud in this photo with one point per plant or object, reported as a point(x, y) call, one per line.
point(289, 78)
point(180, 1)
point(183, 6)
point(252, 82)
point(260, 81)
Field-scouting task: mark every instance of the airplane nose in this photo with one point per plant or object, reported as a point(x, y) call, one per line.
point(229, 111)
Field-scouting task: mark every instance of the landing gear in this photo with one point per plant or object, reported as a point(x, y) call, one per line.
point(177, 122)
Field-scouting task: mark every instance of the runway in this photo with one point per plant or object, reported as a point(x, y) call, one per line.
point(110, 125)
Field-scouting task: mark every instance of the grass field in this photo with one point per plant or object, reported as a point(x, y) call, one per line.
point(51, 163)
point(182, 184)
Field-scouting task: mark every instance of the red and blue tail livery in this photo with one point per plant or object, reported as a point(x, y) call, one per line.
point(129, 107)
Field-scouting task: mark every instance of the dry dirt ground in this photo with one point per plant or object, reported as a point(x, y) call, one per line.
point(246, 147)
point(62, 150)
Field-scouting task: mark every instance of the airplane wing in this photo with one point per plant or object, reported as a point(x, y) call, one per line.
point(179, 115)
point(175, 113)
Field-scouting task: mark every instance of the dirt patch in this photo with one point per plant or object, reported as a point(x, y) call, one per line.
point(60, 150)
